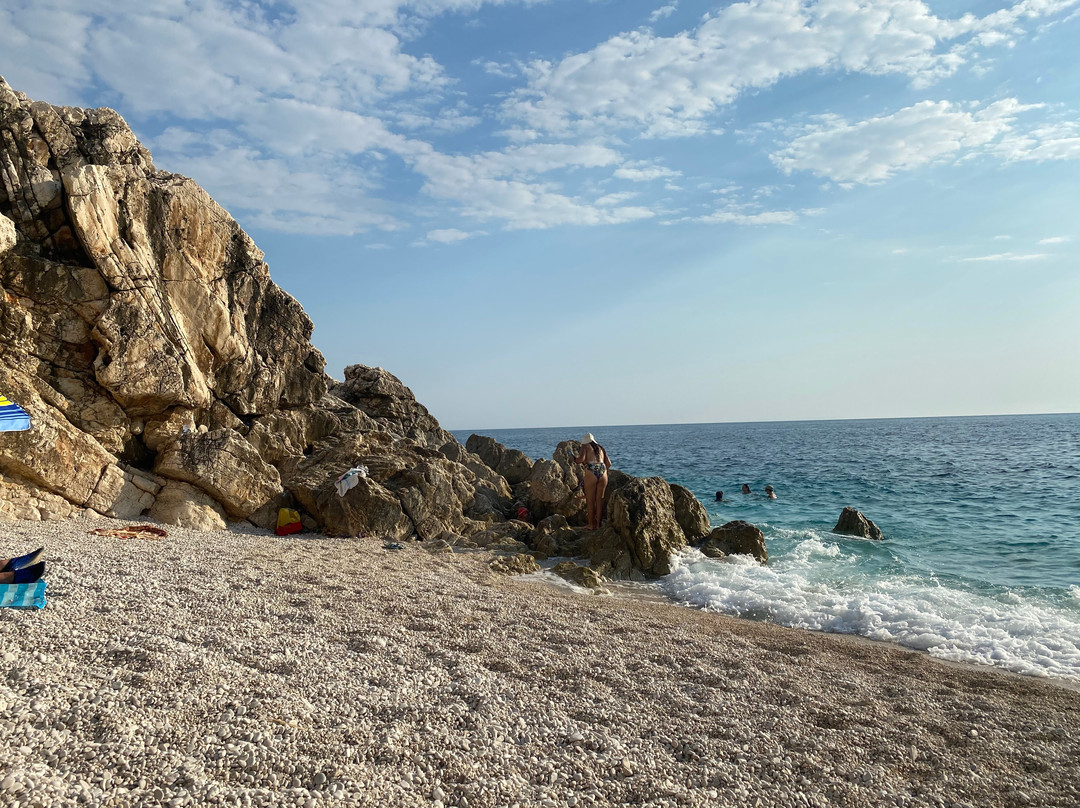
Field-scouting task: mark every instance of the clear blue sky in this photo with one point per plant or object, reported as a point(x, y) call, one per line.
point(614, 211)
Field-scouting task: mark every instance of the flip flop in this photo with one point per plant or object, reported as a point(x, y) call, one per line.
point(23, 561)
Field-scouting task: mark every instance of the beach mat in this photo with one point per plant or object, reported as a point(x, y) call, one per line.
point(23, 596)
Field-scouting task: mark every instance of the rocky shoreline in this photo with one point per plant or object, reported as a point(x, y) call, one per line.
point(239, 668)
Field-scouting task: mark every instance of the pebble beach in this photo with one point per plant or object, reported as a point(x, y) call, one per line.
point(243, 669)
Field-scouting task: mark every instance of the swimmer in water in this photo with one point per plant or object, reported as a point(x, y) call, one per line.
point(746, 488)
point(769, 492)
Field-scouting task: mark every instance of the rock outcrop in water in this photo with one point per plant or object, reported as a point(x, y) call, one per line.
point(735, 538)
point(853, 523)
point(167, 375)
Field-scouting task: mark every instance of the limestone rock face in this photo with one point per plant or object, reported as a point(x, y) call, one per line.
point(548, 491)
point(853, 523)
point(736, 538)
point(7, 234)
point(127, 295)
point(159, 361)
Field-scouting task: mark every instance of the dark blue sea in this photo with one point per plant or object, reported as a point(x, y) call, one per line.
point(981, 516)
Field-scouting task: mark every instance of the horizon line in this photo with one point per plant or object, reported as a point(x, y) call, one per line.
point(774, 421)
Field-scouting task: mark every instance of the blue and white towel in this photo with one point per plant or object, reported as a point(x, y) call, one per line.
point(23, 596)
point(13, 418)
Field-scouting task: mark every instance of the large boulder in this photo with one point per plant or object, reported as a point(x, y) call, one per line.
point(641, 512)
point(736, 538)
point(690, 514)
point(853, 523)
point(512, 464)
point(225, 466)
point(185, 505)
point(366, 510)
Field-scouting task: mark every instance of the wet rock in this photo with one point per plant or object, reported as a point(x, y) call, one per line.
point(854, 523)
point(577, 574)
point(736, 538)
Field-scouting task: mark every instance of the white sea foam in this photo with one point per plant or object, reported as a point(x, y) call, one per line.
point(817, 585)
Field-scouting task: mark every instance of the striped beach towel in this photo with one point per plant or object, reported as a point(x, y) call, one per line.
point(23, 596)
point(13, 418)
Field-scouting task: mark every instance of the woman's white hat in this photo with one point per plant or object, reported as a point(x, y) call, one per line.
point(588, 438)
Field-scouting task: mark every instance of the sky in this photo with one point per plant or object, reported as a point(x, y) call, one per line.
point(559, 212)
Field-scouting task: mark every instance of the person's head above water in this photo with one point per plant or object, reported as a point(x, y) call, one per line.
point(746, 488)
point(769, 492)
point(719, 496)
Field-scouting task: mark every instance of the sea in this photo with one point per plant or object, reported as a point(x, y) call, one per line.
point(981, 517)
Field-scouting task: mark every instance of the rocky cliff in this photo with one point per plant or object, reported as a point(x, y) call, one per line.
point(167, 375)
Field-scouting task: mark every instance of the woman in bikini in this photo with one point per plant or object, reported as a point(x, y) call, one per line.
point(597, 463)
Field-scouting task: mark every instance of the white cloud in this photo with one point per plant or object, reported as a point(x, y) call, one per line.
point(874, 150)
point(1054, 141)
point(451, 235)
point(747, 215)
point(1008, 257)
point(901, 251)
point(1055, 240)
point(498, 185)
point(644, 172)
point(669, 86)
point(1002, 238)
point(663, 11)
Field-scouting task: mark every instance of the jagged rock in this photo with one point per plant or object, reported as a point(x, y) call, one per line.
point(518, 564)
point(577, 574)
point(609, 555)
point(383, 397)
point(853, 523)
point(512, 464)
point(434, 494)
point(124, 493)
point(736, 538)
point(366, 510)
point(179, 503)
point(511, 535)
point(492, 497)
point(553, 536)
point(56, 456)
point(223, 465)
point(642, 513)
point(552, 488)
point(690, 514)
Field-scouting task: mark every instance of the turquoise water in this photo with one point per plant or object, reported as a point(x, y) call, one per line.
point(981, 517)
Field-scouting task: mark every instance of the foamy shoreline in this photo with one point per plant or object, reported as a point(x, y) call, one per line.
point(234, 669)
